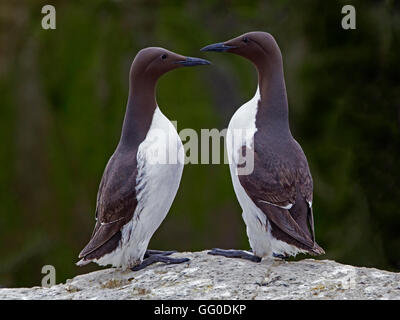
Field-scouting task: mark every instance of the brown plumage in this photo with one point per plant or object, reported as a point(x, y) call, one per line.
point(283, 181)
point(124, 178)
point(281, 184)
point(116, 203)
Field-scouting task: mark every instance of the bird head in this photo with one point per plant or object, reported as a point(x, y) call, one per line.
point(255, 46)
point(155, 61)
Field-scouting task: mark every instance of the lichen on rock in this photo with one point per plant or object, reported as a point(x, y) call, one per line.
point(214, 277)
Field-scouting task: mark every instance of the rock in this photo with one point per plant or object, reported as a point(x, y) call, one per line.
point(213, 277)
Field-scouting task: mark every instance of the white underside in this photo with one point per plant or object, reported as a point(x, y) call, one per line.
point(160, 160)
point(258, 228)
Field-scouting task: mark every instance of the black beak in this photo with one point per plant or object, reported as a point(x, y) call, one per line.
point(190, 62)
point(219, 47)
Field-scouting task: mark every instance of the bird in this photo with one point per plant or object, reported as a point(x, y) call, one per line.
point(143, 174)
point(269, 170)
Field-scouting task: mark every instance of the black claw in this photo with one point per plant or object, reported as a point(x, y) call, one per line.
point(176, 261)
point(234, 254)
point(158, 258)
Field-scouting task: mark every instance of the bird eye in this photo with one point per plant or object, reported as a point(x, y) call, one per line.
point(245, 39)
point(164, 56)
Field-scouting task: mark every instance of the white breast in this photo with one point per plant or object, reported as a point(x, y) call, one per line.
point(241, 130)
point(160, 160)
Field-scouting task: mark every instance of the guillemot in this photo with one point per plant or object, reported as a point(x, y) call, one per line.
point(276, 196)
point(142, 177)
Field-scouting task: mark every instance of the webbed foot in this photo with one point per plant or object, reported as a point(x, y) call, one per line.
point(234, 254)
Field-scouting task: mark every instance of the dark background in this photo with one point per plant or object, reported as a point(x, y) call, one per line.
point(62, 100)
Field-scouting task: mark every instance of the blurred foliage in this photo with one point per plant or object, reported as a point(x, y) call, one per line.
point(62, 100)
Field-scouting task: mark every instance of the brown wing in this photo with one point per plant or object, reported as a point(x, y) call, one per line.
point(275, 184)
point(116, 201)
point(305, 191)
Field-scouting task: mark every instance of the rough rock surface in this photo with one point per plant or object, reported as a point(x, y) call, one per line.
point(212, 277)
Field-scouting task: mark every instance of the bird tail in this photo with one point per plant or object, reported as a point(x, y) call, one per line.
point(83, 262)
point(316, 250)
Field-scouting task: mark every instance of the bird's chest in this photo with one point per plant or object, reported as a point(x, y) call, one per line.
point(162, 144)
point(241, 132)
point(160, 159)
point(159, 164)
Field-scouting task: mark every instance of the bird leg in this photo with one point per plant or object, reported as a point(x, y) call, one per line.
point(158, 258)
point(234, 254)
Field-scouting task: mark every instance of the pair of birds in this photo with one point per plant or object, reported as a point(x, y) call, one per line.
point(135, 194)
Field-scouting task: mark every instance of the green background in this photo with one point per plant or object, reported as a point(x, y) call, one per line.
point(63, 94)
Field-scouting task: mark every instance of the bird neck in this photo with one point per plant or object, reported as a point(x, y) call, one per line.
point(139, 110)
point(273, 104)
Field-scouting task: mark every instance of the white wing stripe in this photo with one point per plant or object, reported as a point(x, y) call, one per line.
point(103, 223)
point(290, 205)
